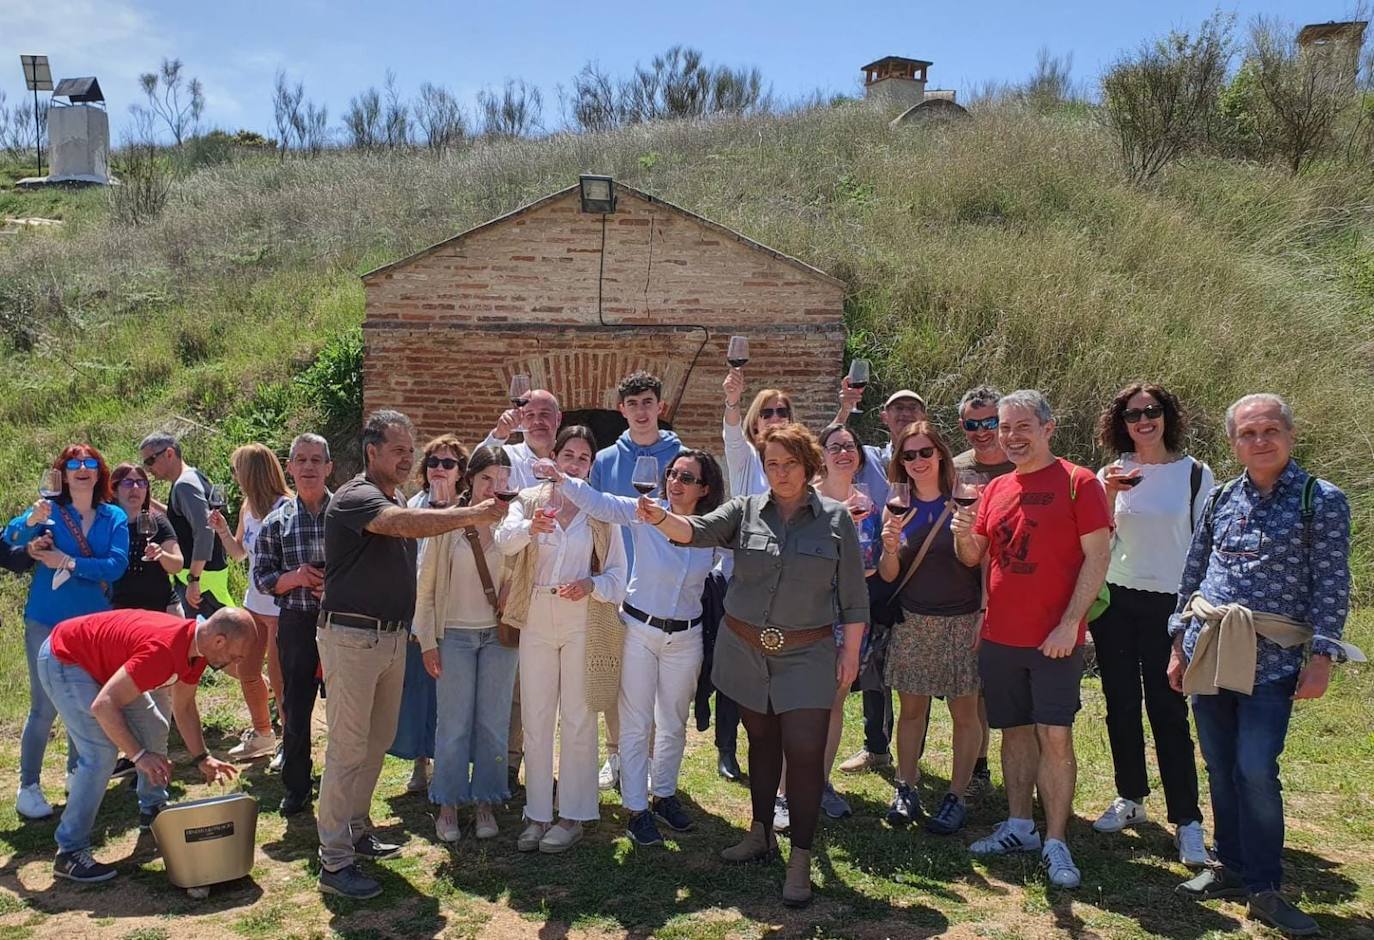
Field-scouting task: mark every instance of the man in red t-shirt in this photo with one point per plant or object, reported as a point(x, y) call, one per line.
point(1045, 531)
point(98, 671)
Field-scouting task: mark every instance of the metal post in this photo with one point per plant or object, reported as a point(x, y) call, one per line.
point(37, 133)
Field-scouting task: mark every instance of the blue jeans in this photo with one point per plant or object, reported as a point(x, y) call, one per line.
point(1242, 738)
point(474, 694)
point(72, 690)
point(33, 742)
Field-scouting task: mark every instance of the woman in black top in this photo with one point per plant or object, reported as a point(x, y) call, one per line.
point(147, 582)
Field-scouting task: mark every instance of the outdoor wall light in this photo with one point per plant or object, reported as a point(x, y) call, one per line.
point(598, 193)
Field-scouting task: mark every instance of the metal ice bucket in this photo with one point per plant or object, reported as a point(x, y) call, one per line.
point(205, 842)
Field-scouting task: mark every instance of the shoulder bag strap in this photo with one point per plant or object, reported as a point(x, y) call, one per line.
point(921, 555)
point(1194, 486)
point(484, 573)
point(74, 525)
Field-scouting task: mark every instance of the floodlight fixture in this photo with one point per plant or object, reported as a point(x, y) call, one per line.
point(598, 193)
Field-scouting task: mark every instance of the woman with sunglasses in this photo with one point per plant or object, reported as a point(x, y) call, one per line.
point(80, 541)
point(456, 629)
point(1157, 495)
point(259, 476)
point(663, 654)
point(153, 559)
point(933, 649)
point(441, 469)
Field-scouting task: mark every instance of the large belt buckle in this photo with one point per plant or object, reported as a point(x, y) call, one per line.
point(771, 639)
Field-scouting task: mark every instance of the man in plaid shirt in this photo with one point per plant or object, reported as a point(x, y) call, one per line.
point(288, 563)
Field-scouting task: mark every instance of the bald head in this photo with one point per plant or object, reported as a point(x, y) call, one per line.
point(226, 636)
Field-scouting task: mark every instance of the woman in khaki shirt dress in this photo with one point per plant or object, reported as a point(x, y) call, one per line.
point(798, 571)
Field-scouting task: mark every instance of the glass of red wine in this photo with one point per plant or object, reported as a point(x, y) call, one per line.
point(899, 499)
point(1128, 478)
point(860, 503)
point(737, 352)
point(216, 499)
point(520, 397)
point(505, 490)
point(645, 477)
point(858, 379)
point(968, 487)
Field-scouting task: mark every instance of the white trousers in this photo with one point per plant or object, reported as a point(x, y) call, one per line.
point(658, 678)
point(553, 654)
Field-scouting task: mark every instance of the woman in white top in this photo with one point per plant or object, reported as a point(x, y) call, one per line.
point(1157, 496)
point(553, 576)
point(258, 473)
point(663, 638)
point(474, 675)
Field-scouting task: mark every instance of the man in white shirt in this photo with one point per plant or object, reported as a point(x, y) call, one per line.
point(541, 417)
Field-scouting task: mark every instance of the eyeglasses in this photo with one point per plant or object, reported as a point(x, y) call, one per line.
point(90, 463)
point(685, 477)
point(1238, 540)
point(152, 458)
point(783, 412)
point(448, 463)
point(835, 450)
point(1132, 415)
point(132, 483)
point(981, 424)
point(924, 453)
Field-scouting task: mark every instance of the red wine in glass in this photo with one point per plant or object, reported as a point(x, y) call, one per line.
point(644, 489)
point(897, 509)
point(1130, 481)
point(505, 496)
point(737, 363)
point(965, 501)
point(737, 352)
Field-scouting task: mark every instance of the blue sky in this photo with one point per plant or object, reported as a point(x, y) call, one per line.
point(341, 47)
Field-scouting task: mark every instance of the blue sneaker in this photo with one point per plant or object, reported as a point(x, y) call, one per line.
point(642, 830)
point(670, 812)
point(948, 817)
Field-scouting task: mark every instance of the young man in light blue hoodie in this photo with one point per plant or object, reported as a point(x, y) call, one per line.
point(641, 402)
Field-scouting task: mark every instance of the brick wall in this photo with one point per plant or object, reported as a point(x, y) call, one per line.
point(445, 332)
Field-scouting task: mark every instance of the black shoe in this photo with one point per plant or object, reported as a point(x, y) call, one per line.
point(642, 830)
point(669, 810)
point(1270, 908)
point(349, 882)
point(905, 807)
point(292, 804)
point(727, 766)
point(513, 781)
point(79, 866)
point(123, 768)
point(1213, 883)
point(981, 781)
point(146, 817)
point(949, 816)
point(369, 846)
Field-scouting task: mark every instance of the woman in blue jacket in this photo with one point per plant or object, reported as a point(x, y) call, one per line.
point(80, 541)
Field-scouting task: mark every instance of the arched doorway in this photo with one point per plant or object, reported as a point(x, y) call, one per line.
point(605, 424)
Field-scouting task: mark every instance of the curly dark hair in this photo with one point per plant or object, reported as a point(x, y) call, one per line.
point(1111, 426)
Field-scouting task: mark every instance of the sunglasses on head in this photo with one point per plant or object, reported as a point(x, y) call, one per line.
point(152, 458)
point(76, 463)
point(132, 483)
point(981, 424)
point(448, 463)
point(1132, 415)
point(783, 412)
point(685, 477)
point(835, 450)
point(924, 453)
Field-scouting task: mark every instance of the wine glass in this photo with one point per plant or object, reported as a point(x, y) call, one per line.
point(858, 378)
point(544, 469)
point(737, 352)
point(968, 487)
point(860, 502)
point(146, 526)
point(50, 484)
point(520, 396)
point(217, 500)
point(899, 499)
point(645, 477)
point(551, 505)
point(504, 490)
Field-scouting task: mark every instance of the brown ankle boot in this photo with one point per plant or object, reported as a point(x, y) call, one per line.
point(758, 844)
point(796, 887)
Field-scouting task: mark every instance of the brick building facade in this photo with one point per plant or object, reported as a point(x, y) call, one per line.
point(446, 328)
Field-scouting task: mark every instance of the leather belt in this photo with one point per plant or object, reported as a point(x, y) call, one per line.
point(666, 624)
point(768, 640)
point(332, 618)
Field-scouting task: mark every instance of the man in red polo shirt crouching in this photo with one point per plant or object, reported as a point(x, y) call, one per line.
point(98, 671)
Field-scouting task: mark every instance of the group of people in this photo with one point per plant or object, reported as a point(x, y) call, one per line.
point(526, 588)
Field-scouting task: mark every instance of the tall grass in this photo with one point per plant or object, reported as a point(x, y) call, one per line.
point(1005, 249)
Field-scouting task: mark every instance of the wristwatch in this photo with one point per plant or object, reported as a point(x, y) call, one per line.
point(193, 579)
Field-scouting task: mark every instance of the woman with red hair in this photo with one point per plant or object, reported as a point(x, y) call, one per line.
point(80, 541)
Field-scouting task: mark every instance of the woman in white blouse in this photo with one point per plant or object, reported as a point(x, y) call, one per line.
point(558, 565)
point(1157, 495)
point(455, 624)
point(771, 407)
point(663, 639)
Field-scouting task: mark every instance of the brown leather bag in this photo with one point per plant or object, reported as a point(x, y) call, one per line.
point(505, 633)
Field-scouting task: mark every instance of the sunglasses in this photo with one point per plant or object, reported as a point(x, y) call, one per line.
point(152, 459)
point(924, 453)
point(448, 463)
point(775, 413)
point(90, 463)
point(685, 477)
point(132, 483)
point(835, 450)
point(981, 424)
point(1132, 415)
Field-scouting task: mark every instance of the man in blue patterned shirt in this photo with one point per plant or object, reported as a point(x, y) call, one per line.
point(1260, 546)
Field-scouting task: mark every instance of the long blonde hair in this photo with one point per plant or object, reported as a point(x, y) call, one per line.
point(259, 475)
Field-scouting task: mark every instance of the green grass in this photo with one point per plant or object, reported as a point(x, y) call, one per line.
point(872, 881)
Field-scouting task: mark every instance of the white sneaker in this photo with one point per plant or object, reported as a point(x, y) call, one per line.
point(446, 825)
point(782, 815)
point(252, 745)
point(1119, 815)
point(274, 766)
point(1059, 866)
point(486, 822)
point(1192, 849)
point(1005, 840)
point(30, 803)
point(609, 778)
